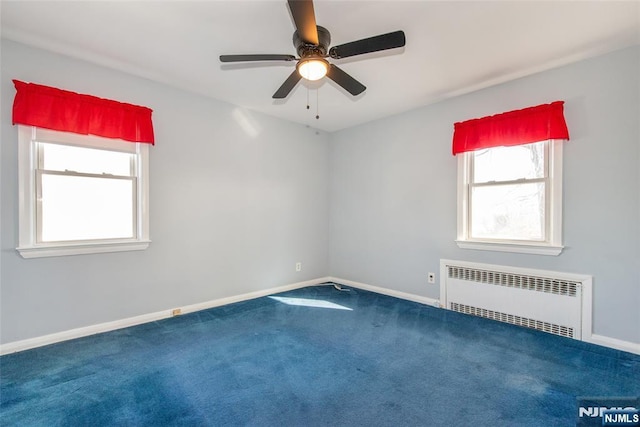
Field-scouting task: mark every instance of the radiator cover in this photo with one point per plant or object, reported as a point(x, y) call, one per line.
point(553, 302)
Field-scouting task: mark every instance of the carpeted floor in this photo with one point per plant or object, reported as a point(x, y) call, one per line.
point(310, 357)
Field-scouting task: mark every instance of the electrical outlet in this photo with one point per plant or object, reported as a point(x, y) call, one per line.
point(298, 266)
point(176, 312)
point(431, 278)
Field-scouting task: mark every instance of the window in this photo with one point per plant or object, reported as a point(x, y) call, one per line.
point(510, 198)
point(81, 194)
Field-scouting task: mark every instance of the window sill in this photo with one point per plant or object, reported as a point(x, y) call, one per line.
point(511, 247)
point(81, 249)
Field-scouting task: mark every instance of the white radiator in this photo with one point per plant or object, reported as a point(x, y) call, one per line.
point(558, 303)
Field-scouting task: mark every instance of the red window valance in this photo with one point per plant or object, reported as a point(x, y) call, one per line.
point(62, 110)
point(518, 127)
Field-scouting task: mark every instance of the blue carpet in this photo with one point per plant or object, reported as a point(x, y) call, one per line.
point(360, 359)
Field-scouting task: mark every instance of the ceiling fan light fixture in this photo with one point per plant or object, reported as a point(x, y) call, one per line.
point(313, 68)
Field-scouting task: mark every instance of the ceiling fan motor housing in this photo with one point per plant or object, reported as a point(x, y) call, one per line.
point(306, 49)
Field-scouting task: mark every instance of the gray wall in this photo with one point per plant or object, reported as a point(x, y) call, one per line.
point(230, 213)
point(393, 188)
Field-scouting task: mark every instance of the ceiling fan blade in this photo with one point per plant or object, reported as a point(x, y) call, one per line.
point(288, 85)
point(350, 84)
point(371, 44)
point(258, 57)
point(305, 20)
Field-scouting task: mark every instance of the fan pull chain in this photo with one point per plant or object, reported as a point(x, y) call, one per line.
point(317, 104)
point(307, 97)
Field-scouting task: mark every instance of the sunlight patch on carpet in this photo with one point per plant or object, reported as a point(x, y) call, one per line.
point(306, 302)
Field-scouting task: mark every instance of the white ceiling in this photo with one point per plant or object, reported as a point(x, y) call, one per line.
point(453, 47)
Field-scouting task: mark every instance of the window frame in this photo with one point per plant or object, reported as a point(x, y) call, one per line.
point(29, 245)
point(551, 245)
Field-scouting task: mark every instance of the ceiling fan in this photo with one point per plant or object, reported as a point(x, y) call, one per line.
point(312, 44)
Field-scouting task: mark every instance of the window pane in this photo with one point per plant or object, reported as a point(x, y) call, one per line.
point(85, 160)
point(509, 163)
point(510, 212)
point(81, 208)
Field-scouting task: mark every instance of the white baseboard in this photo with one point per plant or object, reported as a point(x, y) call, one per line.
point(40, 341)
point(27, 344)
point(628, 346)
point(385, 291)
